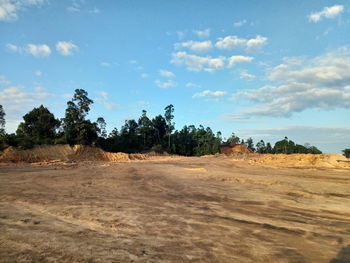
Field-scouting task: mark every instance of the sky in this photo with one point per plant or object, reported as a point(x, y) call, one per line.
point(261, 69)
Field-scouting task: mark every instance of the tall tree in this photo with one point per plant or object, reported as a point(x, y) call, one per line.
point(80, 98)
point(168, 118)
point(101, 127)
point(2, 121)
point(159, 126)
point(145, 126)
point(260, 147)
point(76, 128)
point(2, 127)
point(269, 148)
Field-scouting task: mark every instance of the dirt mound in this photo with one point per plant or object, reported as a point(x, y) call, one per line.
point(37, 154)
point(302, 160)
point(234, 149)
point(65, 153)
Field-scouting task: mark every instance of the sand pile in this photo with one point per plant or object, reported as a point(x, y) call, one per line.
point(302, 160)
point(234, 149)
point(37, 154)
point(65, 153)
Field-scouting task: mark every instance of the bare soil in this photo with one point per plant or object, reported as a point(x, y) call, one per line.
point(214, 209)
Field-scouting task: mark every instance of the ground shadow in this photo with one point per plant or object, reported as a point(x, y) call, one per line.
point(343, 256)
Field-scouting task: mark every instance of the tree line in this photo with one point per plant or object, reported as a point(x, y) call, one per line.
point(41, 127)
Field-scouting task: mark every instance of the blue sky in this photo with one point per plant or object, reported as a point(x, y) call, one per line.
point(265, 69)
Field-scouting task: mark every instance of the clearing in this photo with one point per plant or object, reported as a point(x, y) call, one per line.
point(212, 209)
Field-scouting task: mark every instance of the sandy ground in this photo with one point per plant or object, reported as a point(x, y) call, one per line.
point(185, 210)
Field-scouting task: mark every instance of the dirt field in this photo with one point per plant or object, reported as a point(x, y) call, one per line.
point(212, 209)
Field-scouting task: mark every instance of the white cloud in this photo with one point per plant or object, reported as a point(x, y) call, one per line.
point(208, 93)
point(234, 117)
point(257, 42)
point(167, 74)
point(13, 48)
point(234, 42)
point(105, 64)
point(195, 46)
point(16, 95)
point(239, 23)
point(4, 80)
point(135, 65)
point(238, 59)
point(202, 33)
point(67, 96)
point(180, 35)
point(73, 9)
point(192, 85)
point(66, 48)
point(102, 99)
point(246, 75)
point(327, 12)
point(38, 50)
point(103, 94)
point(78, 6)
point(18, 100)
point(144, 75)
point(42, 50)
point(165, 85)
point(320, 83)
point(38, 73)
point(95, 10)
point(75, 6)
point(9, 8)
point(197, 63)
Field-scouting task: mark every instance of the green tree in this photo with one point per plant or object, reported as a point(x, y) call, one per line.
point(346, 153)
point(285, 146)
point(101, 127)
point(233, 139)
point(114, 133)
point(2, 127)
point(145, 125)
point(300, 149)
point(39, 126)
point(2, 118)
point(168, 118)
point(159, 127)
point(250, 144)
point(260, 147)
point(192, 141)
point(77, 130)
point(269, 148)
point(130, 137)
point(82, 102)
point(314, 150)
point(86, 132)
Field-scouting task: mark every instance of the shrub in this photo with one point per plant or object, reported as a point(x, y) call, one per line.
point(26, 143)
point(346, 153)
point(60, 140)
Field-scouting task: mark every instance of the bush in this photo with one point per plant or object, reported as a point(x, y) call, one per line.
point(11, 140)
point(60, 140)
point(26, 143)
point(346, 153)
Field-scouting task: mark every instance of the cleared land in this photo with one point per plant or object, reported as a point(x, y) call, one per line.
point(215, 209)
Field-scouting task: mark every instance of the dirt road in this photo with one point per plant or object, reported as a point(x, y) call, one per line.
point(190, 210)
